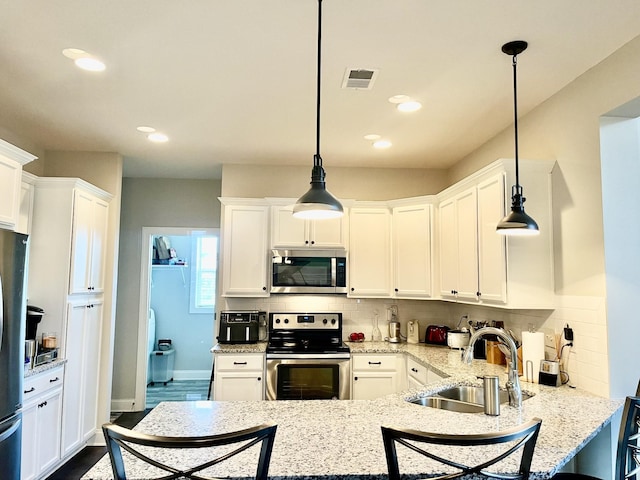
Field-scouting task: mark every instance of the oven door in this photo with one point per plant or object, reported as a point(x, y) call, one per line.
point(301, 377)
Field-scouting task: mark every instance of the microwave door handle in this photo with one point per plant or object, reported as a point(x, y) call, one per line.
point(228, 334)
point(246, 333)
point(334, 268)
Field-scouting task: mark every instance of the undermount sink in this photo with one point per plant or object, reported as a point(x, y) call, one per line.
point(461, 398)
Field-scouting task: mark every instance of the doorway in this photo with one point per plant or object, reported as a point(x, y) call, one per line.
point(176, 314)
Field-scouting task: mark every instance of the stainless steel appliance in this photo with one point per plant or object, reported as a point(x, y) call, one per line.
point(12, 350)
point(309, 271)
point(240, 326)
point(306, 357)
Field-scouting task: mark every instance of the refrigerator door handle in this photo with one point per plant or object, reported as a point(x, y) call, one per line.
point(10, 430)
point(1, 315)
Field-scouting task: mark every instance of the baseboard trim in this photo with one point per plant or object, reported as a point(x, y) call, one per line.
point(191, 374)
point(123, 405)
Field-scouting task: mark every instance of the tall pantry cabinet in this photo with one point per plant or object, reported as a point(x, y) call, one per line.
point(66, 279)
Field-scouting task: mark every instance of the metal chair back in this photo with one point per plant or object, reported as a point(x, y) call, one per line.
point(522, 438)
point(119, 438)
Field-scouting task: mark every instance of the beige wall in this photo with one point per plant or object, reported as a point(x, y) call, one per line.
point(257, 181)
point(150, 203)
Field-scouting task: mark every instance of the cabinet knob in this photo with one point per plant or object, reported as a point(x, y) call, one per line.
point(54, 380)
point(478, 294)
point(264, 289)
point(355, 378)
point(352, 289)
point(414, 370)
point(395, 289)
point(312, 242)
point(32, 389)
point(306, 242)
point(259, 378)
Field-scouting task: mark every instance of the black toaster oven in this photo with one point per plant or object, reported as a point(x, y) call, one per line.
point(241, 326)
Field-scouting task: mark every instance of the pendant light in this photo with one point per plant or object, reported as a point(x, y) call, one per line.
point(318, 203)
point(517, 222)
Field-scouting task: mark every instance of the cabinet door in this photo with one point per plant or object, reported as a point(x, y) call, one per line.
point(49, 412)
point(370, 252)
point(287, 230)
point(100, 219)
point(245, 252)
point(91, 368)
point(467, 228)
point(81, 242)
point(448, 249)
point(26, 209)
point(82, 351)
point(328, 233)
point(371, 385)
point(242, 385)
point(10, 181)
point(412, 251)
point(28, 464)
point(492, 256)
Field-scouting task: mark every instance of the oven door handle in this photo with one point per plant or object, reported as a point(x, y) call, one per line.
point(309, 356)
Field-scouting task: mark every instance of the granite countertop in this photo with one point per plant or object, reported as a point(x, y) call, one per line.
point(317, 439)
point(44, 367)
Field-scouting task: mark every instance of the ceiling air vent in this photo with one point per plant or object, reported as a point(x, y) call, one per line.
point(359, 78)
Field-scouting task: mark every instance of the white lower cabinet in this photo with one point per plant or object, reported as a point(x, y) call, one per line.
point(82, 351)
point(420, 375)
point(375, 375)
point(238, 377)
point(41, 421)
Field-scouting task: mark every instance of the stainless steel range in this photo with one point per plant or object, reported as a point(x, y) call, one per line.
point(306, 357)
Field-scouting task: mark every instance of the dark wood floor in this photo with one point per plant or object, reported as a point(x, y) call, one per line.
point(75, 468)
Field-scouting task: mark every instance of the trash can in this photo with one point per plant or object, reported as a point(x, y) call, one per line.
point(162, 366)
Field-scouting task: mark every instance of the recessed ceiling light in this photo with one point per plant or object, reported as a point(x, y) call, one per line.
point(399, 99)
point(158, 137)
point(84, 60)
point(410, 106)
point(382, 144)
point(146, 129)
point(372, 136)
point(91, 64)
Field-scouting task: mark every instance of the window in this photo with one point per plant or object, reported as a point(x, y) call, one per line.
point(204, 270)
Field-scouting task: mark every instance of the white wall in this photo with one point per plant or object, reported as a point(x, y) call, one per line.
point(621, 196)
point(150, 203)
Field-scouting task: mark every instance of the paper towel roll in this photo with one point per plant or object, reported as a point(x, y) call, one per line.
point(532, 351)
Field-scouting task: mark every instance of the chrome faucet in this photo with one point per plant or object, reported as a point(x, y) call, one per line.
point(513, 381)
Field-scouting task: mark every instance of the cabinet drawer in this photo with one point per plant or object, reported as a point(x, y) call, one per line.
point(239, 362)
point(417, 371)
point(375, 362)
point(35, 386)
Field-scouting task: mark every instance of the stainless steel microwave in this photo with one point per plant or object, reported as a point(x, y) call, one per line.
point(309, 271)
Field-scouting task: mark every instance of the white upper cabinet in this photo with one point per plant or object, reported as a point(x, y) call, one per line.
point(413, 250)
point(244, 248)
point(477, 265)
point(12, 159)
point(288, 231)
point(369, 273)
point(25, 213)
point(89, 232)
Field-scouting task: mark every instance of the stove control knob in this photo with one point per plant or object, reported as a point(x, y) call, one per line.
point(286, 320)
point(333, 321)
point(277, 320)
point(325, 321)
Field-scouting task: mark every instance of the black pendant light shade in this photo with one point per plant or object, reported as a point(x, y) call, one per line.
point(318, 203)
point(517, 222)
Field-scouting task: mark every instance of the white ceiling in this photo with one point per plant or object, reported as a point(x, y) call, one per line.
point(233, 81)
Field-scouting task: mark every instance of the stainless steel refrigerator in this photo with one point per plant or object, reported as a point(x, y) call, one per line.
point(12, 355)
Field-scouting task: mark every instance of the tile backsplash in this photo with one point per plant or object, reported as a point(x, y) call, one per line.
point(586, 362)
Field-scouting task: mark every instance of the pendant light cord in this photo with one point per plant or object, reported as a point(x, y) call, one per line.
point(515, 118)
point(317, 159)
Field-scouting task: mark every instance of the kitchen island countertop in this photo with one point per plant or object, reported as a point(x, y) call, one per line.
point(318, 439)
